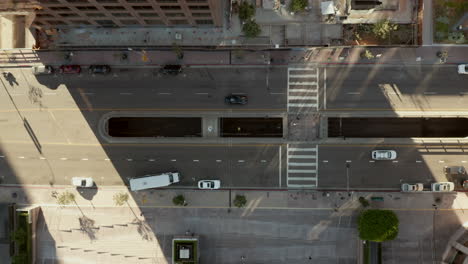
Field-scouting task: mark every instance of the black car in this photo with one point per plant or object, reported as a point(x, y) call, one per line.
point(171, 69)
point(99, 69)
point(236, 99)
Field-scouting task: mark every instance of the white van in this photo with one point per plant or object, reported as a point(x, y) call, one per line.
point(154, 181)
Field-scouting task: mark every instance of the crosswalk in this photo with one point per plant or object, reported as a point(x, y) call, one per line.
point(302, 167)
point(303, 89)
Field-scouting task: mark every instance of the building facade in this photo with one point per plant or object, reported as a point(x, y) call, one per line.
point(123, 13)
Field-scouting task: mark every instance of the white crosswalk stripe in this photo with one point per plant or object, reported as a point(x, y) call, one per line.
point(303, 89)
point(302, 166)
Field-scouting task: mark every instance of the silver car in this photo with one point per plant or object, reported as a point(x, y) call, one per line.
point(442, 187)
point(463, 69)
point(209, 184)
point(417, 187)
point(384, 155)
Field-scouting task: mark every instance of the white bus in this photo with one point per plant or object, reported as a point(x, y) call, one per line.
point(154, 181)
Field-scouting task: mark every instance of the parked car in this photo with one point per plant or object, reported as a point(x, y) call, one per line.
point(85, 182)
point(70, 69)
point(463, 69)
point(236, 99)
point(454, 170)
point(99, 69)
point(417, 187)
point(384, 155)
point(209, 184)
point(171, 69)
point(42, 69)
point(442, 187)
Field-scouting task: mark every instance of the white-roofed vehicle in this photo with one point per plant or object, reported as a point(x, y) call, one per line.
point(209, 184)
point(42, 69)
point(463, 69)
point(84, 182)
point(442, 186)
point(417, 187)
point(384, 155)
point(154, 181)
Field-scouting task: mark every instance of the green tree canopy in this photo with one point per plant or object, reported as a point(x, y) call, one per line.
point(251, 29)
point(298, 5)
point(378, 225)
point(383, 28)
point(246, 10)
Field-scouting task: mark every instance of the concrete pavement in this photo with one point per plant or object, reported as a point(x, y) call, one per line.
point(341, 55)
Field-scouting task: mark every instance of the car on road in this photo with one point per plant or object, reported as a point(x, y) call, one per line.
point(84, 182)
point(171, 69)
point(236, 99)
point(99, 69)
point(454, 170)
point(209, 184)
point(417, 187)
point(442, 186)
point(70, 69)
point(42, 69)
point(384, 155)
point(463, 69)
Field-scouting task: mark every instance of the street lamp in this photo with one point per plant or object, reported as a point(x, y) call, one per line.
point(347, 177)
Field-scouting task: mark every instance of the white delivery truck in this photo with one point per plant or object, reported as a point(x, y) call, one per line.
point(154, 181)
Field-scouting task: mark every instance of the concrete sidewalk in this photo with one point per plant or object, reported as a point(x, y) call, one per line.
point(393, 56)
point(256, 199)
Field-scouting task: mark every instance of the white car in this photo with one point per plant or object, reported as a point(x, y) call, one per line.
point(442, 187)
point(82, 182)
point(417, 187)
point(209, 184)
point(42, 69)
point(463, 69)
point(384, 155)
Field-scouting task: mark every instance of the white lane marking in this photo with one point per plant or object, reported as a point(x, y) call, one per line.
point(302, 149)
point(63, 158)
point(126, 93)
point(430, 93)
point(195, 160)
point(241, 161)
point(418, 161)
point(129, 159)
point(276, 93)
point(348, 161)
point(201, 93)
point(279, 164)
point(463, 161)
point(151, 160)
point(301, 164)
point(21, 157)
point(42, 158)
point(107, 159)
point(325, 88)
point(354, 93)
point(263, 161)
point(165, 93)
point(173, 160)
point(371, 160)
point(218, 160)
point(441, 161)
point(84, 159)
point(325, 161)
point(395, 161)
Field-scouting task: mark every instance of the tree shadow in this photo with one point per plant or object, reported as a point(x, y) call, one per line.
point(10, 78)
point(87, 226)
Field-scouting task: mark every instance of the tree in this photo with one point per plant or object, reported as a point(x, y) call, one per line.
point(240, 201)
point(120, 198)
point(367, 54)
point(298, 5)
point(378, 225)
point(179, 200)
point(246, 11)
point(65, 198)
point(251, 29)
point(383, 28)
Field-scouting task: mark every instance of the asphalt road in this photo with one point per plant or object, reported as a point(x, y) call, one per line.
point(395, 87)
